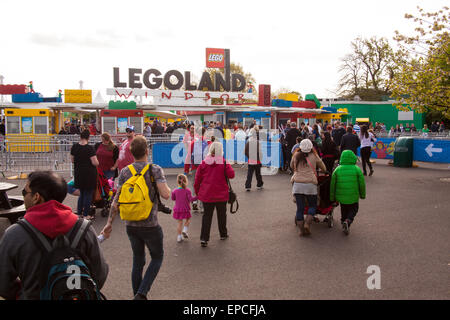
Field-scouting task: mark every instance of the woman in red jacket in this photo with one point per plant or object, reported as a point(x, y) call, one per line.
point(211, 188)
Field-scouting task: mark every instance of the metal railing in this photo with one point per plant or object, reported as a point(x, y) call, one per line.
point(445, 135)
point(22, 154)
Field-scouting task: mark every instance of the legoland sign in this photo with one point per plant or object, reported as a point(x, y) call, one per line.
point(145, 83)
point(174, 80)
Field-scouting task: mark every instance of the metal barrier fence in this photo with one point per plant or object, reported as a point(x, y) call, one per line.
point(21, 154)
point(428, 135)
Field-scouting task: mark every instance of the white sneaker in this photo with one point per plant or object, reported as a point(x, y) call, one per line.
point(179, 238)
point(185, 234)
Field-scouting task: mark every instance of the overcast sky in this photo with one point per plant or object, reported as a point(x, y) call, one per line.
point(292, 44)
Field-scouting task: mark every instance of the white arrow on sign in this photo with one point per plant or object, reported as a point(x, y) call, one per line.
point(430, 149)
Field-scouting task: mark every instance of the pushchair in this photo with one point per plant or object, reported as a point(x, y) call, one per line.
point(324, 206)
point(103, 195)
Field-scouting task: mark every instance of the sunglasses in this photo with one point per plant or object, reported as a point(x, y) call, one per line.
point(25, 192)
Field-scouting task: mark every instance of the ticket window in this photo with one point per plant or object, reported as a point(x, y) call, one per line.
point(40, 125)
point(265, 123)
point(13, 125)
point(109, 125)
point(137, 123)
point(248, 122)
point(219, 118)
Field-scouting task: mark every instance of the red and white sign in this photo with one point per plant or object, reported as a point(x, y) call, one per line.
point(215, 58)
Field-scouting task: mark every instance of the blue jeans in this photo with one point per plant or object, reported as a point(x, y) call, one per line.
point(85, 201)
point(152, 238)
point(300, 200)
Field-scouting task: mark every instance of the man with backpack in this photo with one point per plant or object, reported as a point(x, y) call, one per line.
point(137, 201)
point(50, 234)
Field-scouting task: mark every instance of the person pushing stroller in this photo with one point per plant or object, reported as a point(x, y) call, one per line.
point(304, 181)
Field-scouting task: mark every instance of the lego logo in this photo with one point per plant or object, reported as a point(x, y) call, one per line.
point(215, 57)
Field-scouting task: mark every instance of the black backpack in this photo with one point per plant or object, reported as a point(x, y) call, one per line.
point(64, 275)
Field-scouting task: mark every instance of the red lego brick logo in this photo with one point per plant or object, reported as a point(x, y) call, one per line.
point(215, 58)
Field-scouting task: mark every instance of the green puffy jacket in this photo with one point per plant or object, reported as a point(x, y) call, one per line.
point(347, 181)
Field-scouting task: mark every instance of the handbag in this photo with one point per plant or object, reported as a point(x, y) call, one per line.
point(232, 197)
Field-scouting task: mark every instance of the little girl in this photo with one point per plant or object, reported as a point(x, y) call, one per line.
point(182, 209)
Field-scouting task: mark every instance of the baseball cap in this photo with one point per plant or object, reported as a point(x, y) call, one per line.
point(306, 146)
point(130, 128)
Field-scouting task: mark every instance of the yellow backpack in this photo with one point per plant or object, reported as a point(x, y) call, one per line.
point(134, 200)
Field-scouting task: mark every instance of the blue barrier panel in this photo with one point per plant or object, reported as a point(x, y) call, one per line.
point(173, 155)
point(272, 154)
point(432, 150)
point(169, 155)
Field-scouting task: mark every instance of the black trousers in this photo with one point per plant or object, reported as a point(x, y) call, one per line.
point(329, 163)
point(207, 219)
point(365, 158)
point(349, 211)
point(257, 169)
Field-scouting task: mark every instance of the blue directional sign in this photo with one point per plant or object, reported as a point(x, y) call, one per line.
point(432, 150)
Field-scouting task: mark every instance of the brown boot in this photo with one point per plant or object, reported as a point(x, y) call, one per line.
point(307, 226)
point(300, 225)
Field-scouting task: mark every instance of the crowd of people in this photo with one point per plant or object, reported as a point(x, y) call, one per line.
point(45, 192)
point(204, 185)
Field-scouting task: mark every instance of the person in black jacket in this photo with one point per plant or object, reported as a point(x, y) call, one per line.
point(337, 133)
point(350, 141)
point(291, 137)
point(329, 150)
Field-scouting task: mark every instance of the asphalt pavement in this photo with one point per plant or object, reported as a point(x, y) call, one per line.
point(402, 227)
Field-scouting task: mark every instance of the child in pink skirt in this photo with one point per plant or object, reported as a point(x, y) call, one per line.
point(182, 209)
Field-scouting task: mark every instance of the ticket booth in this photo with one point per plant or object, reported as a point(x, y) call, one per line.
point(116, 121)
point(30, 130)
point(31, 122)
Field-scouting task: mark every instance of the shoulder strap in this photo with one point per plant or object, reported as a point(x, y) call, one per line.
point(313, 169)
point(134, 172)
point(44, 244)
point(132, 169)
point(154, 186)
point(225, 172)
point(143, 171)
point(80, 232)
point(39, 239)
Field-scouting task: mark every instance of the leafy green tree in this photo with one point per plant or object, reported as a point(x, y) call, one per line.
point(367, 71)
point(423, 82)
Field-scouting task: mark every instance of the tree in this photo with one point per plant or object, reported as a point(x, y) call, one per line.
point(423, 82)
point(234, 68)
point(367, 71)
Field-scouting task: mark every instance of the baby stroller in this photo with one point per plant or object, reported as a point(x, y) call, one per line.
point(104, 194)
point(324, 206)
